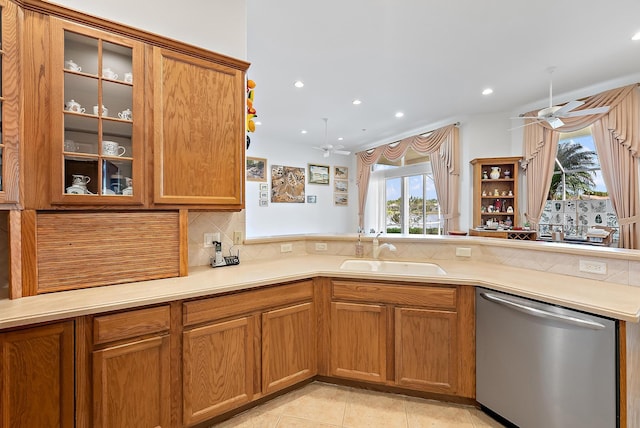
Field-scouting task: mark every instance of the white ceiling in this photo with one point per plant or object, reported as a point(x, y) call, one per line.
point(429, 59)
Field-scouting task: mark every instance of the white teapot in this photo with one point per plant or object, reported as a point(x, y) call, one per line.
point(74, 106)
point(70, 65)
point(495, 172)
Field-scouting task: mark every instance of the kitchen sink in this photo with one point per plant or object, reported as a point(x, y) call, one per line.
point(393, 267)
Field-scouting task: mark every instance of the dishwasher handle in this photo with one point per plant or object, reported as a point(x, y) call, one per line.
point(580, 322)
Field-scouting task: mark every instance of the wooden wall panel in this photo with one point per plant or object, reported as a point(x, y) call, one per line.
point(79, 250)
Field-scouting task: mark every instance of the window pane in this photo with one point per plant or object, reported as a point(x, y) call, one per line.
point(393, 203)
point(578, 200)
point(416, 204)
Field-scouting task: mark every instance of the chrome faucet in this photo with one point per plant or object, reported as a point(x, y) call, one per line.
point(377, 248)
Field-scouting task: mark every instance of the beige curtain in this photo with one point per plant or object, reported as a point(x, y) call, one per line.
point(443, 147)
point(540, 147)
point(617, 141)
point(614, 131)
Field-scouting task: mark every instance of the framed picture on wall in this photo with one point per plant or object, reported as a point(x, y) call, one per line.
point(287, 184)
point(318, 174)
point(340, 172)
point(340, 186)
point(256, 169)
point(341, 199)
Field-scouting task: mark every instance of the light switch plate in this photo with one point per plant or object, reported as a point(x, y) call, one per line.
point(590, 266)
point(463, 252)
point(210, 237)
point(321, 246)
point(286, 248)
point(237, 237)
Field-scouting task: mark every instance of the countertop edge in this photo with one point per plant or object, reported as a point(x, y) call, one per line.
point(616, 301)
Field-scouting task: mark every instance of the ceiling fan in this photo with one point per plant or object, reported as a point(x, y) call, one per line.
point(553, 114)
point(329, 149)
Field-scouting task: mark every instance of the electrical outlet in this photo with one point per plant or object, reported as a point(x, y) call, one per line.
point(321, 246)
point(590, 266)
point(210, 237)
point(463, 252)
point(286, 248)
point(237, 237)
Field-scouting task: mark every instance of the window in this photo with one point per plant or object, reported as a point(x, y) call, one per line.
point(578, 200)
point(407, 201)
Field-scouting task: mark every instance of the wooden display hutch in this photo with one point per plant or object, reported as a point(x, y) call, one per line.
point(495, 198)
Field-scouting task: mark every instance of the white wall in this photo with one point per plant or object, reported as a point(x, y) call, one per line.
point(216, 25)
point(296, 218)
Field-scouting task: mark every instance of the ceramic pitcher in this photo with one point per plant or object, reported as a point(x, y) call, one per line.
point(495, 172)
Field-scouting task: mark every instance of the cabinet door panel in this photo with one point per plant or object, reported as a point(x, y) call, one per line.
point(358, 341)
point(288, 346)
point(131, 384)
point(217, 368)
point(36, 377)
point(10, 116)
point(199, 131)
point(426, 349)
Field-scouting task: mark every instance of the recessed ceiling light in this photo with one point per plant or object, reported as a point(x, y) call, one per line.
point(636, 36)
point(298, 84)
point(304, 131)
point(357, 102)
point(340, 138)
point(399, 114)
point(487, 91)
point(258, 123)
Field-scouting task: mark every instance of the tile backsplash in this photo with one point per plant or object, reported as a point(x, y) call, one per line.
point(619, 271)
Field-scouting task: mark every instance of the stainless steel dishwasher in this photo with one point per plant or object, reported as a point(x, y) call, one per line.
point(540, 365)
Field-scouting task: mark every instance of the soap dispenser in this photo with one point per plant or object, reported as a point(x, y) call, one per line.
point(359, 248)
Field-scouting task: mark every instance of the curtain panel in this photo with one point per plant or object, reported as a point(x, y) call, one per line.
point(442, 145)
point(616, 134)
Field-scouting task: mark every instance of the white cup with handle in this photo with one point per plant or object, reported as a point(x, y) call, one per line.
point(112, 148)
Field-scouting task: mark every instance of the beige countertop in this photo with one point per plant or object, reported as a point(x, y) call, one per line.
point(607, 299)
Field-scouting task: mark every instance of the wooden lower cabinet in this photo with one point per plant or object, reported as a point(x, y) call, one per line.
point(36, 376)
point(359, 341)
point(426, 351)
point(419, 337)
point(240, 347)
point(288, 346)
point(127, 371)
point(218, 365)
point(131, 384)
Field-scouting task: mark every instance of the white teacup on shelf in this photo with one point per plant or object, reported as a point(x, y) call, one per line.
point(70, 65)
point(128, 77)
point(112, 148)
point(74, 106)
point(125, 114)
point(105, 111)
point(109, 74)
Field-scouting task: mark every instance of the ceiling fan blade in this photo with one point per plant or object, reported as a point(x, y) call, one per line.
point(522, 126)
point(568, 107)
point(596, 110)
point(341, 152)
point(525, 117)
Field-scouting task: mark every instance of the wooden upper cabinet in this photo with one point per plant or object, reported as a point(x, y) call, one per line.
point(96, 152)
point(199, 131)
point(9, 105)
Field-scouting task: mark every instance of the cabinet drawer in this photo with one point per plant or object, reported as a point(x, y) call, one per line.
point(109, 328)
point(416, 295)
point(216, 308)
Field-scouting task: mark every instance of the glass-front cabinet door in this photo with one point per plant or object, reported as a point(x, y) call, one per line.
point(97, 111)
point(9, 104)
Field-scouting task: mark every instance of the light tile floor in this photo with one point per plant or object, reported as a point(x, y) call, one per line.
point(321, 405)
